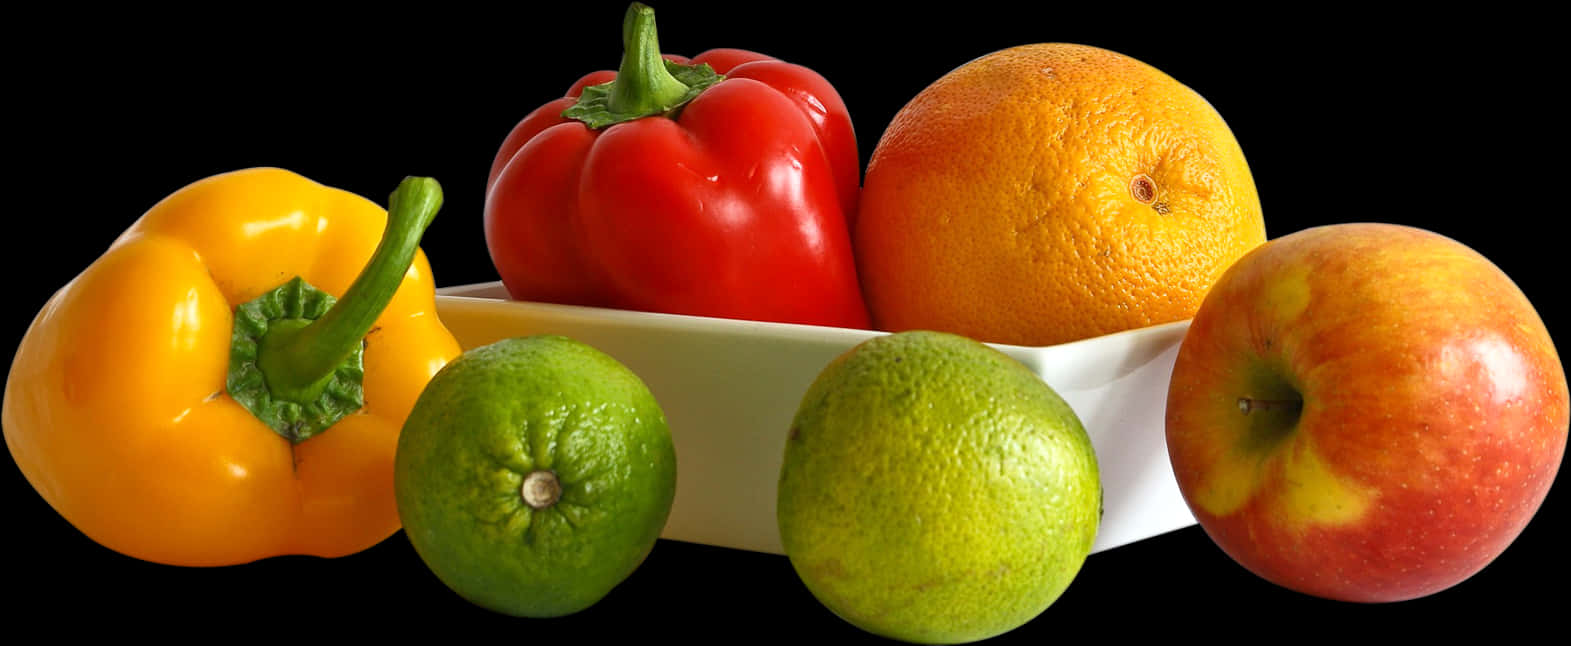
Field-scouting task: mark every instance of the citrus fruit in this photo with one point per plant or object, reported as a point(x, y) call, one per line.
point(1048, 193)
point(534, 475)
point(935, 490)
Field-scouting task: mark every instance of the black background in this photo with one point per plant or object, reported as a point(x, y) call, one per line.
point(1429, 119)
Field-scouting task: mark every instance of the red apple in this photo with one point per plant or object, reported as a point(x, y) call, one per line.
point(1365, 412)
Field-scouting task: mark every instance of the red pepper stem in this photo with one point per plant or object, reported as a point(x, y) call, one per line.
point(643, 85)
point(298, 360)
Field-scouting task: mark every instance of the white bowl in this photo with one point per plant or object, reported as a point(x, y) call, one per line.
point(730, 388)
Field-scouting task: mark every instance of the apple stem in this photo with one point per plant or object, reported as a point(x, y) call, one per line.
point(1247, 405)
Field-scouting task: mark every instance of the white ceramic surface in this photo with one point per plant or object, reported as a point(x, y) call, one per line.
point(730, 388)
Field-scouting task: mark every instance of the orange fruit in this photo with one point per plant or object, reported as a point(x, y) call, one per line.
point(1051, 192)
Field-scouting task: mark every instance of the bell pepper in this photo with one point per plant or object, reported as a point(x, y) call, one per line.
point(721, 185)
point(227, 382)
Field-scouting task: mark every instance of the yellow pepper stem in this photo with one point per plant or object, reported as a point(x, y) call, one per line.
point(296, 358)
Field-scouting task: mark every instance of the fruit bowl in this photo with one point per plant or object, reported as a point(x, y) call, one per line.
point(730, 388)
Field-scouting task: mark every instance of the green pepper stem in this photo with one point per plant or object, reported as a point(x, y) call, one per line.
point(643, 85)
point(298, 361)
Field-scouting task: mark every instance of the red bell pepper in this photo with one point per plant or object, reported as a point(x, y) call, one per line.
point(717, 186)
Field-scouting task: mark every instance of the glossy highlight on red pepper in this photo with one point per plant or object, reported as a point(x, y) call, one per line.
point(733, 203)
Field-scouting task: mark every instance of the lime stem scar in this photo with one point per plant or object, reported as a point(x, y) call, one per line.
point(541, 489)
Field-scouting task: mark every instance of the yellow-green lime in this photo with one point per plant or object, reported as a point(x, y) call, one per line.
point(935, 490)
point(534, 475)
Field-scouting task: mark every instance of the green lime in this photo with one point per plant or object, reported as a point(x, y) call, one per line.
point(534, 475)
point(935, 490)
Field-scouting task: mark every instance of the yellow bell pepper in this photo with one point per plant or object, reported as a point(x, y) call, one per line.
point(187, 400)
